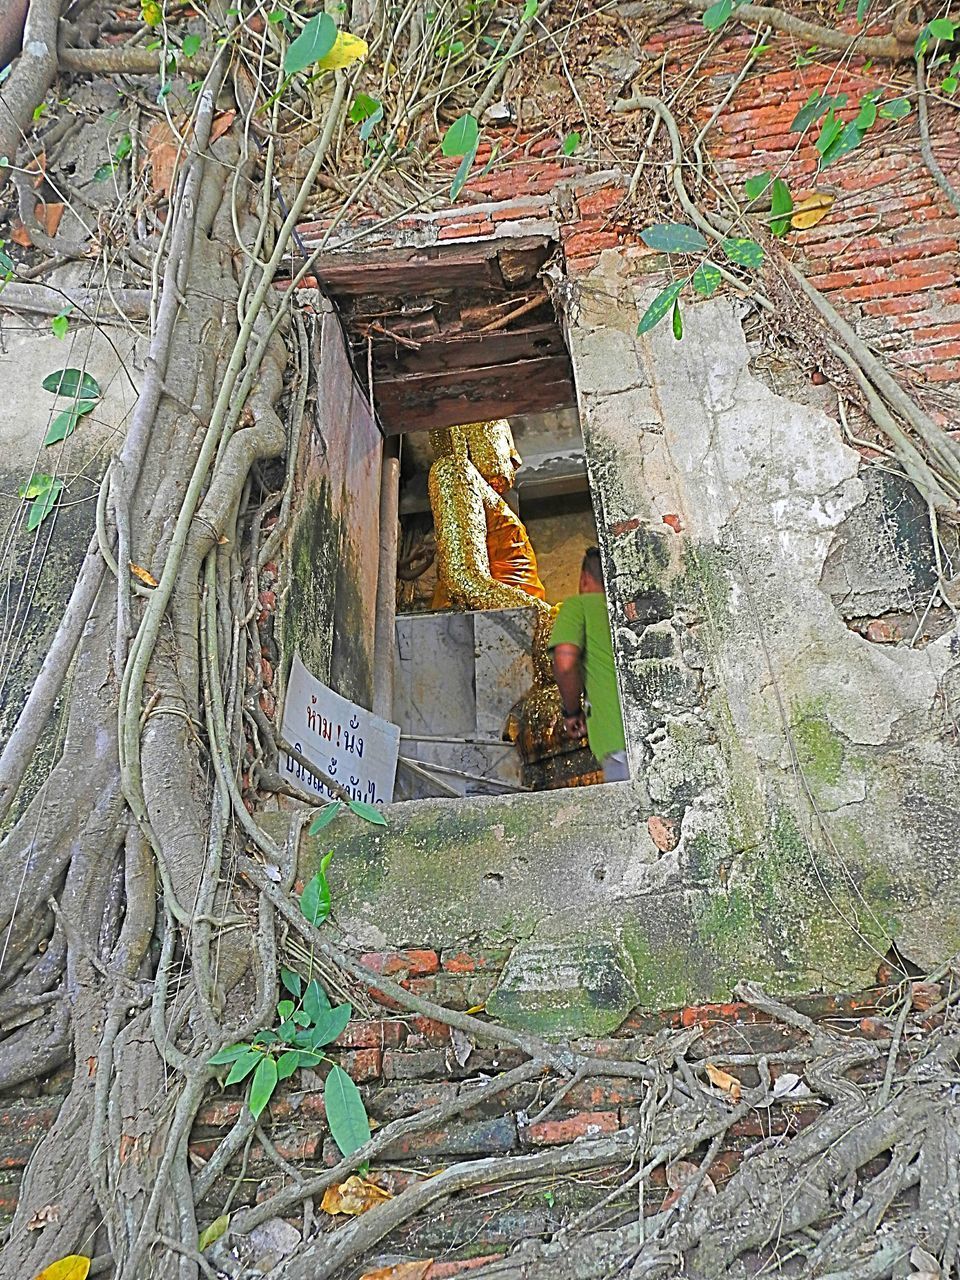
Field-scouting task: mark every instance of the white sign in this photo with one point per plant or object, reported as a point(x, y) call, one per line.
point(351, 745)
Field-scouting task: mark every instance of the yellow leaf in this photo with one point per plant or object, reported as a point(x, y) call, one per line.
point(151, 12)
point(807, 213)
point(477, 1008)
point(346, 49)
point(401, 1271)
point(354, 1196)
point(723, 1080)
point(213, 1233)
point(142, 575)
point(73, 1267)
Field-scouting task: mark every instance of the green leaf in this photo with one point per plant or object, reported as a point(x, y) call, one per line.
point(942, 28)
point(266, 1037)
point(867, 114)
point(124, 147)
point(346, 1116)
point(325, 817)
point(103, 171)
point(330, 1024)
point(37, 484)
point(463, 172)
point(315, 1001)
point(301, 1018)
point(65, 423)
point(462, 138)
point(243, 1066)
point(895, 110)
point(829, 132)
point(371, 122)
point(949, 86)
point(210, 1235)
point(285, 1010)
point(717, 14)
point(849, 140)
point(862, 8)
point(757, 185)
point(264, 1082)
point(814, 107)
point(677, 322)
point(745, 253)
point(191, 46)
point(369, 812)
point(674, 237)
point(43, 504)
point(292, 982)
point(315, 899)
point(494, 152)
point(6, 262)
point(73, 383)
point(308, 1059)
point(230, 1054)
point(707, 279)
point(61, 322)
point(315, 41)
point(781, 202)
point(287, 1064)
point(659, 307)
point(570, 143)
point(530, 10)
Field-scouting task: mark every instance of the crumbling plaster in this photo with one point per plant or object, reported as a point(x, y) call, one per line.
point(803, 777)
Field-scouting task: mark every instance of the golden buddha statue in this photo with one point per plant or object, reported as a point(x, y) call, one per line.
point(485, 561)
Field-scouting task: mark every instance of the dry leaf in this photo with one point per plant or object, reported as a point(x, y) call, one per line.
point(163, 147)
point(221, 124)
point(142, 575)
point(50, 1213)
point(928, 1268)
point(679, 1175)
point(790, 1088)
point(723, 1080)
point(20, 235)
point(923, 995)
point(209, 1235)
point(73, 1267)
point(354, 1196)
point(463, 1046)
point(807, 213)
point(346, 49)
point(401, 1271)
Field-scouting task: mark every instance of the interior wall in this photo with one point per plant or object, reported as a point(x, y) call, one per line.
point(330, 606)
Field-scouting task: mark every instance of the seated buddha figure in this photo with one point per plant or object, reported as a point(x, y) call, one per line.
point(485, 561)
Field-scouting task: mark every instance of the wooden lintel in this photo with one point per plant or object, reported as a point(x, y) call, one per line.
point(428, 268)
point(465, 351)
point(446, 398)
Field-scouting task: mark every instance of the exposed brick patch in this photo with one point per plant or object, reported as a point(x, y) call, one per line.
point(588, 1124)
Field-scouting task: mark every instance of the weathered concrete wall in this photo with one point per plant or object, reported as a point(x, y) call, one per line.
point(38, 569)
point(810, 773)
point(329, 604)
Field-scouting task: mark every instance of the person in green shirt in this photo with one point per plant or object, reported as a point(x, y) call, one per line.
point(584, 670)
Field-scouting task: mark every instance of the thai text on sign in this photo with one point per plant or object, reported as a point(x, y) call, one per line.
point(351, 745)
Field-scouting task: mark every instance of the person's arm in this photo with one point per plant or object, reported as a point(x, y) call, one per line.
point(569, 677)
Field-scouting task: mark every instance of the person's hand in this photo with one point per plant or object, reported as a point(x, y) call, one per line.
point(575, 726)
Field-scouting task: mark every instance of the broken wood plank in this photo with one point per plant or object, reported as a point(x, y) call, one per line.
point(427, 268)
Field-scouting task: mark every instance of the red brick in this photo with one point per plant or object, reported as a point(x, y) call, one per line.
point(463, 231)
point(372, 1034)
point(580, 243)
point(429, 1031)
point(602, 201)
point(362, 1064)
point(587, 1124)
point(413, 963)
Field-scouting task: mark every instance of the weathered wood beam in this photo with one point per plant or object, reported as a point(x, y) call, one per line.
point(428, 269)
point(425, 402)
point(464, 351)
